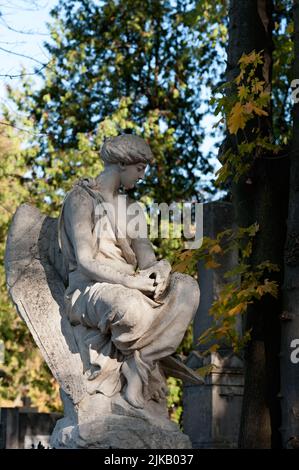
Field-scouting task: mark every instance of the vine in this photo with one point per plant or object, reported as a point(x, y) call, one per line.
point(247, 101)
point(244, 284)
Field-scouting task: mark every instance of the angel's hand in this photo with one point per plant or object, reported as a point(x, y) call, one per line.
point(142, 283)
point(160, 272)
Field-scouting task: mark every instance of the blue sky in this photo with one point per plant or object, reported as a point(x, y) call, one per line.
point(23, 30)
point(31, 18)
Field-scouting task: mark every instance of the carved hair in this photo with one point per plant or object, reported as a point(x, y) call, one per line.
point(127, 149)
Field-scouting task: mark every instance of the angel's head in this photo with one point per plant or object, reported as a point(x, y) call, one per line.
point(132, 155)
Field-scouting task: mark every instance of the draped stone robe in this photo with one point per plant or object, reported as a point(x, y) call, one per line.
point(113, 322)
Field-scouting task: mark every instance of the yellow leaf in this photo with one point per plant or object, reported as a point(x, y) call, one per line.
point(215, 249)
point(243, 91)
point(269, 287)
point(250, 108)
point(214, 348)
point(205, 370)
point(260, 290)
point(248, 58)
point(260, 112)
point(237, 119)
point(185, 255)
point(221, 332)
point(240, 77)
point(252, 58)
point(257, 86)
point(211, 264)
point(181, 267)
point(237, 309)
point(253, 229)
point(205, 336)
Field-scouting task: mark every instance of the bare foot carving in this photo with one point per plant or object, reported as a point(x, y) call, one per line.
point(158, 389)
point(134, 389)
point(160, 392)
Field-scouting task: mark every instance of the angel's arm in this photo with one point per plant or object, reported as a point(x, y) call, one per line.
point(142, 246)
point(78, 217)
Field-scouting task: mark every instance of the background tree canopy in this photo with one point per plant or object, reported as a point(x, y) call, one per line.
point(126, 67)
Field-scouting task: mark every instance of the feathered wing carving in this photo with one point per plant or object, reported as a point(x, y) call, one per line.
point(35, 279)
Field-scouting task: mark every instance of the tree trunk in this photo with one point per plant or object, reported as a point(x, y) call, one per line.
point(290, 317)
point(260, 419)
point(260, 196)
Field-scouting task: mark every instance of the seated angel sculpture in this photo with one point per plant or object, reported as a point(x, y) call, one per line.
point(132, 309)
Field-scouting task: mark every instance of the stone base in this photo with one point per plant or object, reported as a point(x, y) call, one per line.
point(114, 424)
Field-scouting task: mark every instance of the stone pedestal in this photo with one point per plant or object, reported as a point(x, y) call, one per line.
point(104, 423)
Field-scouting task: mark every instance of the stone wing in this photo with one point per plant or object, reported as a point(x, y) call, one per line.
point(174, 367)
point(36, 279)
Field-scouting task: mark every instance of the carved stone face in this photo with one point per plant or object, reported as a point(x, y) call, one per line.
point(130, 174)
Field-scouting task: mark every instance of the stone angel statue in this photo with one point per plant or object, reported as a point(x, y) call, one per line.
point(106, 315)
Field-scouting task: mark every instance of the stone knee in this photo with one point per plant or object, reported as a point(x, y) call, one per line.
point(130, 319)
point(188, 292)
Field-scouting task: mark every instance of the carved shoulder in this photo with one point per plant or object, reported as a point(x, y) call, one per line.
point(78, 207)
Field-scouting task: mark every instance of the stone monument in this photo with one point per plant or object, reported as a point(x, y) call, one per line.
point(212, 412)
point(106, 315)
